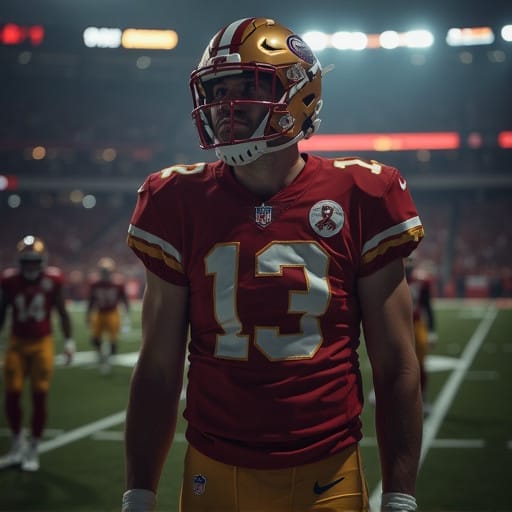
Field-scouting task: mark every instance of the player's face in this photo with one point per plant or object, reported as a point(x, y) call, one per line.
point(105, 274)
point(234, 119)
point(31, 269)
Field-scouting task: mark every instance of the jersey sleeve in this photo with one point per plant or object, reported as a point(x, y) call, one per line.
point(154, 234)
point(391, 227)
point(57, 276)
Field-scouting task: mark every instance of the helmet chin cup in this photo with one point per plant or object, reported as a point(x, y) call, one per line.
point(241, 154)
point(246, 153)
point(30, 275)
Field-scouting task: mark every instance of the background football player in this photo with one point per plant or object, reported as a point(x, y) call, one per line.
point(425, 334)
point(103, 315)
point(32, 292)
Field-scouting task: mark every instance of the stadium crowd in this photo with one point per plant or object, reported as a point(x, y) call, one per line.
point(466, 250)
point(96, 125)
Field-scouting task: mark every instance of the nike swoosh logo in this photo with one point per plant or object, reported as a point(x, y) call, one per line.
point(403, 183)
point(320, 489)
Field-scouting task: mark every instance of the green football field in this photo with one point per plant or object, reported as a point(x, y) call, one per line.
point(467, 450)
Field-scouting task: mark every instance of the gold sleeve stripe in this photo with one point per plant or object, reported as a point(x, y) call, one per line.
point(154, 252)
point(397, 229)
point(155, 247)
point(412, 234)
point(154, 240)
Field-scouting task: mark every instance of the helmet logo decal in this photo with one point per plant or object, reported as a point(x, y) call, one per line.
point(295, 73)
point(263, 215)
point(286, 122)
point(301, 49)
point(326, 218)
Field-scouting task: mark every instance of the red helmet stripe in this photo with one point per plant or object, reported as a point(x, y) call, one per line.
point(231, 38)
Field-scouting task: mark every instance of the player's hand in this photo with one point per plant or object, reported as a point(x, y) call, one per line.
point(138, 500)
point(69, 350)
point(432, 339)
point(127, 324)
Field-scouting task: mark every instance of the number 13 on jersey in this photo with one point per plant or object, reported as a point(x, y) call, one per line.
point(222, 262)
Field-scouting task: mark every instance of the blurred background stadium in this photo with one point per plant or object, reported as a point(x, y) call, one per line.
point(89, 107)
point(91, 102)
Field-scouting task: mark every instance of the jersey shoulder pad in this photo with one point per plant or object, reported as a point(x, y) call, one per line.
point(159, 180)
point(54, 273)
point(9, 273)
point(118, 280)
point(370, 176)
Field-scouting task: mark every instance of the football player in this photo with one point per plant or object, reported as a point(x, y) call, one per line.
point(425, 334)
point(103, 315)
point(271, 259)
point(32, 292)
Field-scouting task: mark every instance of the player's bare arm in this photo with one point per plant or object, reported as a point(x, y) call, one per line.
point(65, 320)
point(3, 309)
point(156, 382)
point(387, 313)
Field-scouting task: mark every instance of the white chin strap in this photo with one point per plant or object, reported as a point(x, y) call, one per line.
point(247, 152)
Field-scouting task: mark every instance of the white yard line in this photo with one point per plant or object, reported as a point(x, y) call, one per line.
point(81, 432)
point(437, 443)
point(447, 395)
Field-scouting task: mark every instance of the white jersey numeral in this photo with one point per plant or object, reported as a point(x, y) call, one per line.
point(35, 309)
point(373, 166)
point(222, 263)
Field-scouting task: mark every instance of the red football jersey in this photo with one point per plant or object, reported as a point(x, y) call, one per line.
point(31, 301)
point(106, 295)
point(274, 376)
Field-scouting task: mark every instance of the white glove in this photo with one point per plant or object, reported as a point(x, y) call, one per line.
point(138, 500)
point(432, 338)
point(127, 324)
point(69, 350)
point(398, 502)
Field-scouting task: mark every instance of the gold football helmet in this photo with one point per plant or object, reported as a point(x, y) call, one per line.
point(264, 50)
point(106, 266)
point(32, 256)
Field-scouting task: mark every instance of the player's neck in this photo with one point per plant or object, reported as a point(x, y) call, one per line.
point(271, 172)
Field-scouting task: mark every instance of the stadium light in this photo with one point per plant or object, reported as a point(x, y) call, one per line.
point(104, 37)
point(389, 39)
point(12, 34)
point(349, 40)
point(131, 38)
point(382, 142)
point(505, 140)
point(316, 40)
point(470, 36)
point(149, 39)
point(418, 39)
point(506, 33)
point(8, 182)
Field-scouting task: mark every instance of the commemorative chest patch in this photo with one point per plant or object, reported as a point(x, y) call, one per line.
point(326, 218)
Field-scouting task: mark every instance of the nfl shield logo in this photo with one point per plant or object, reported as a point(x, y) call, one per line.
point(263, 215)
point(199, 484)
